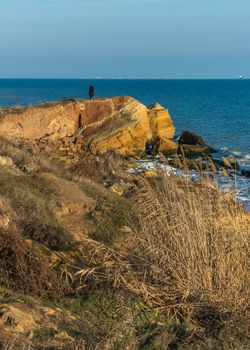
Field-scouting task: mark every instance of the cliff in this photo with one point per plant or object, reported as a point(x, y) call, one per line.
point(119, 124)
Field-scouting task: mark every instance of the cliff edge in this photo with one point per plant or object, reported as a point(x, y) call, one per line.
point(119, 124)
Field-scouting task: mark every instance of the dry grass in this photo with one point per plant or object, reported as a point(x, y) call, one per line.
point(24, 269)
point(28, 197)
point(14, 344)
point(189, 258)
point(194, 243)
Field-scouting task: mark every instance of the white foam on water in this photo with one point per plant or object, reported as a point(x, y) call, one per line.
point(235, 184)
point(236, 153)
point(246, 157)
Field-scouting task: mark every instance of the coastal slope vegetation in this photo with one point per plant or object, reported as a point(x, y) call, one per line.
point(93, 256)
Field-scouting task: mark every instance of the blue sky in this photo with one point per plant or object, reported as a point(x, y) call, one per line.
point(124, 38)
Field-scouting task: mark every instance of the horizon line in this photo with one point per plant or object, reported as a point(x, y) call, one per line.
point(109, 78)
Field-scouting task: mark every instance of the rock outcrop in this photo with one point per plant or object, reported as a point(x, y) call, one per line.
point(192, 145)
point(160, 122)
point(190, 138)
point(119, 124)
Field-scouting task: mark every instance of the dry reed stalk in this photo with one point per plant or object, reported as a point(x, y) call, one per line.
point(195, 242)
point(14, 344)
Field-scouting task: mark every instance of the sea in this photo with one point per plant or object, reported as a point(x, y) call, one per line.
point(218, 110)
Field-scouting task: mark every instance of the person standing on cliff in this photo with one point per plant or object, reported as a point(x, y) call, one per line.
point(91, 92)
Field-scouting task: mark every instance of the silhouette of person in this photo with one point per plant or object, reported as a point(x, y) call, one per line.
point(91, 92)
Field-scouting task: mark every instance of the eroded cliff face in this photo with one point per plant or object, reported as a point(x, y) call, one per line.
point(119, 124)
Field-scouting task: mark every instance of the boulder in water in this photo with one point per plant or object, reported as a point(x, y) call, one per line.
point(193, 145)
point(193, 151)
point(190, 138)
point(245, 171)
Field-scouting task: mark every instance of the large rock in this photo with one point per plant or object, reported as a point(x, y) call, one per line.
point(119, 124)
point(192, 145)
point(160, 122)
point(51, 121)
point(125, 129)
point(191, 151)
point(190, 138)
point(168, 147)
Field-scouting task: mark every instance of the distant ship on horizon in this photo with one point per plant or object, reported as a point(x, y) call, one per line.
point(241, 77)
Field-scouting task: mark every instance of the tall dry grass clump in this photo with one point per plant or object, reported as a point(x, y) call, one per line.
point(25, 270)
point(190, 250)
point(194, 242)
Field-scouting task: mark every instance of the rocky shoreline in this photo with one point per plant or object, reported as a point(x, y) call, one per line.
point(103, 209)
point(123, 126)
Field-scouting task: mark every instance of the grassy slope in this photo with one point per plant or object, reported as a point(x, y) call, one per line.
point(178, 280)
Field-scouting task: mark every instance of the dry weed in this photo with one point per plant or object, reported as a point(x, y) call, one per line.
point(192, 250)
point(193, 242)
point(24, 269)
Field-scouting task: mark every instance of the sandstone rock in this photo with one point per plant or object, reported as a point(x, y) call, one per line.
point(125, 130)
point(6, 161)
point(121, 188)
point(118, 189)
point(132, 165)
point(52, 121)
point(167, 147)
point(151, 174)
point(119, 124)
point(160, 122)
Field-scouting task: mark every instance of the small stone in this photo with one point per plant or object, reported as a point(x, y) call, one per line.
point(118, 189)
point(6, 161)
point(132, 165)
point(4, 221)
point(151, 174)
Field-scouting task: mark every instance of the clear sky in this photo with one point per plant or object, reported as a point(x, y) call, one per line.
point(124, 38)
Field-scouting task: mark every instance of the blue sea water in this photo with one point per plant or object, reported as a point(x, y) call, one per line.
point(218, 110)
